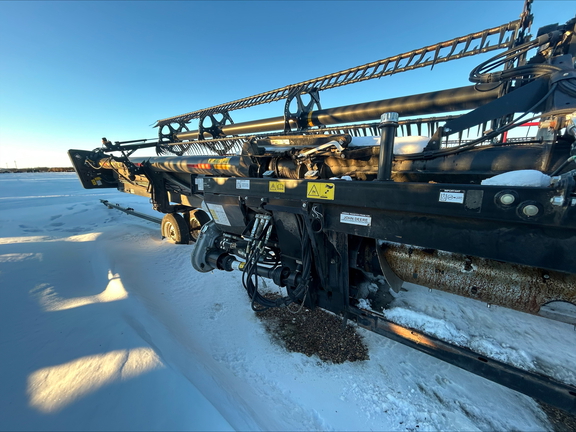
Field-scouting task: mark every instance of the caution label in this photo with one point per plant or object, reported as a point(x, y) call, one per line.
point(323, 191)
point(218, 214)
point(451, 196)
point(276, 186)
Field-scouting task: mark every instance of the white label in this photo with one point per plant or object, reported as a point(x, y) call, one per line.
point(356, 219)
point(451, 196)
point(242, 184)
point(218, 214)
point(199, 183)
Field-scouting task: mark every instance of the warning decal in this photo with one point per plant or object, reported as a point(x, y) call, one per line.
point(276, 186)
point(219, 161)
point(218, 214)
point(323, 191)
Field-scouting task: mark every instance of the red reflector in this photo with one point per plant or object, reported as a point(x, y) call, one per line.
point(200, 166)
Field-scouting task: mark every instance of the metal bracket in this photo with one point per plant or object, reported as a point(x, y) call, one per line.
point(520, 100)
point(393, 280)
point(302, 110)
point(167, 134)
point(215, 128)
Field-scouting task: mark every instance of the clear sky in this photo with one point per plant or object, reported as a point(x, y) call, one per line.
point(72, 72)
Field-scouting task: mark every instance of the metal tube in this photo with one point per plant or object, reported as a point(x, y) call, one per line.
point(388, 124)
point(456, 99)
point(131, 212)
point(229, 166)
point(513, 286)
point(250, 127)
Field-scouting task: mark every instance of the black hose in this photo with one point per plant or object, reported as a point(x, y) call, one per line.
point(250, 275)
point(562, 166)
point(480, 74)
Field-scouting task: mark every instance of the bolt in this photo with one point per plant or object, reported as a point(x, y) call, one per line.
point(573, 203)
point(303, 205)
point(262, 199)
point(530, 210)
point(507, 199)
point(557, 200)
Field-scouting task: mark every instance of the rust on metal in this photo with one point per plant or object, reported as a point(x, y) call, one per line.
point(514, 286)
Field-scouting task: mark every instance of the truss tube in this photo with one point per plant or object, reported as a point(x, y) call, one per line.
point(456, 99)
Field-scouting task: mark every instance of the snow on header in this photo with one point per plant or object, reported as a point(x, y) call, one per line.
point(531, 178)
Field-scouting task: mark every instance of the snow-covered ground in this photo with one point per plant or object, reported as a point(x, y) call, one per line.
point(103, 325)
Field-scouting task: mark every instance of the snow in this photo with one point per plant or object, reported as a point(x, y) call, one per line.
point(402, 145)
point(106, 326)
point(532, 178)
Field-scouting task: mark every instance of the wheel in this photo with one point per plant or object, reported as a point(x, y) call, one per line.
point(174, 228)
point(196, 220)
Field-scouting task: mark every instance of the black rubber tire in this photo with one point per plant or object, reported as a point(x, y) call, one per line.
point(175, 229)
point(196, 220)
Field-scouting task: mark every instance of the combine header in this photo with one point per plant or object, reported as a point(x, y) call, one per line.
point(327, 201)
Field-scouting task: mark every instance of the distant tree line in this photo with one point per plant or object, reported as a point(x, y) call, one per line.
point(36, 170)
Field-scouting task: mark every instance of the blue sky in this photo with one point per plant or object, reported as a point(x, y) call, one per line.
point(74, 71)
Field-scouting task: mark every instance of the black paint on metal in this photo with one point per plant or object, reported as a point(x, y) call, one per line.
point(388, 128)
point(456, 99)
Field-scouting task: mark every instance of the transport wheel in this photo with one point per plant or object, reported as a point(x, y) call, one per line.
point(174, 228)
point(196, 220)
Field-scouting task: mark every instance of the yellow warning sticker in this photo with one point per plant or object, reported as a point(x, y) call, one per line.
point(219, 161)
point(323, 191)
point(276, 186)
